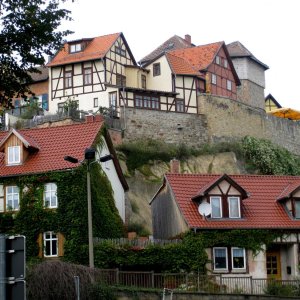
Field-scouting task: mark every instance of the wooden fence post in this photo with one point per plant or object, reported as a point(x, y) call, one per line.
point(152, 279)
point(117, 276)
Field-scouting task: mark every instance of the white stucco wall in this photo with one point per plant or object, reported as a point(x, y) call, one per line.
point(110, 171)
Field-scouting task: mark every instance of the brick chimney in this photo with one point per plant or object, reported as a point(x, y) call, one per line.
point(89, 119)
point(175, 166)
point(188, 38)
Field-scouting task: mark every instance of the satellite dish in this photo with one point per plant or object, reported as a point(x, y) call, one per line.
point(204, 209)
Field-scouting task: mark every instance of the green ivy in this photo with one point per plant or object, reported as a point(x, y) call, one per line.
point(70, 218)
point(270, 159)
point(188, 256)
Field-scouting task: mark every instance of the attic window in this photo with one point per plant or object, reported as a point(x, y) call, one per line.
point(218, 60)
point(75, 48)
point(225, 63)
point(14, 155)
point(120, 51)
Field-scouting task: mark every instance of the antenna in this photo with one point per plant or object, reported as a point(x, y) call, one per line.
point(204, 209)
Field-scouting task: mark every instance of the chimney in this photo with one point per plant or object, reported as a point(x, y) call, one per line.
point(188, 38)
point(89, 119)
point(175, 166)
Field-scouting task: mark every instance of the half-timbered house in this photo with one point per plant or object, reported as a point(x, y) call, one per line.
point(187, 72)
point(90, 72)
point(198, 202)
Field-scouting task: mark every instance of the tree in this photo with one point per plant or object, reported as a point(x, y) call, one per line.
point(28, 34)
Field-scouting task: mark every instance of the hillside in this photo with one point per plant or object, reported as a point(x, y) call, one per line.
point(145, 182)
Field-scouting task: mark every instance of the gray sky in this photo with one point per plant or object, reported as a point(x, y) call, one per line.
point(268, 28)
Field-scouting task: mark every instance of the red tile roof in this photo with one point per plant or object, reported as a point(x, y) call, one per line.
point(198, 57)
point(96, 49)
point(54, 144)
point(180, 65)
point(260, 209)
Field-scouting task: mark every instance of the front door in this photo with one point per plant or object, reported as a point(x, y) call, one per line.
point(273, 265)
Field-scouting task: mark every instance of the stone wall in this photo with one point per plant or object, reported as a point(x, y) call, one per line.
point(221, 120)
point(171, 127)
point(250, 93)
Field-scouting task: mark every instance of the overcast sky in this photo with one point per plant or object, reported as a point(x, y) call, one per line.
point(268, 28)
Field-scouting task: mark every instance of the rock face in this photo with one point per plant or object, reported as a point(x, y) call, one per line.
point(145, 182)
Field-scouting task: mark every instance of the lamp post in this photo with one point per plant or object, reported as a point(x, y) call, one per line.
point(89, 156)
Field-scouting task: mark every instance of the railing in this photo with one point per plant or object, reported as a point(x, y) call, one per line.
point(194, 282)
point(136, 242)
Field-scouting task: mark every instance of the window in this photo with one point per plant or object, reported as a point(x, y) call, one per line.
point(120, 51)
point(218, 60)
point(220, 258)
point(75, 48)
point(156, 69)
point(12, 198)
point(60, 108)
point(213, 78)
point(113, 103)
point(234, 207)
point(14, 156)
point(87, 76)
point(225, 63)
point(68, 79)
point(120, 80)
point(229, 85)
point(146, 101)
point(216, 207)
point(297, 209)
point(238, 258)
point(50, 195)
point(143, 79)
point(95, 102)
point(236, 261)
point(50, 244)
point(179, 105)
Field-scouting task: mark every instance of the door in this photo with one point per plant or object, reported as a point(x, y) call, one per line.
point(273, 265)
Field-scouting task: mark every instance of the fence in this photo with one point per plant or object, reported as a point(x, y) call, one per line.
point(193, 282)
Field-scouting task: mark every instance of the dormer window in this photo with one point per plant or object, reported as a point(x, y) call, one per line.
point(216, 207)
point(75, 48)
point(297, 209)
point(234, 207)
point(14, 155)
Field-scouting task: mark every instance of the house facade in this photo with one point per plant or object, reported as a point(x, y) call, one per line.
point(244, 202)
point(89, 72)
point(32, 163)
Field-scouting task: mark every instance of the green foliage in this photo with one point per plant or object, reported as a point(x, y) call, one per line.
point(98, 292)
point(28, 34)
point(281, 289)
point(32, 109)
point(187, 256)
point(141, 152)
point(138, 228)
point(270, 159)
point(70, 218)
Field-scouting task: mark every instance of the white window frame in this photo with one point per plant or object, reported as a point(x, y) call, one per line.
point(218, 60)
point(96, 104)
point(213, 78)
point(297, 211)
point(239, 207)
point(75, 48)
point(53, 237)
point(15, 193)
point(87, 76)
point(214, 259)
point(52, 191)
point(225, 63)
point(221, 208)
point(244, 258)
point(14, 155)
point(229, 85)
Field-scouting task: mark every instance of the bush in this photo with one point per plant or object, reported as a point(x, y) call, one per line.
point(278, 288)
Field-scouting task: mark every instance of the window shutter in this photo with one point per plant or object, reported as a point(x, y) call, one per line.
point(40, 244)
point(1, 198)
point(61, 241)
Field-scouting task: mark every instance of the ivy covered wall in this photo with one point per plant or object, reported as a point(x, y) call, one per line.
point(70, 218)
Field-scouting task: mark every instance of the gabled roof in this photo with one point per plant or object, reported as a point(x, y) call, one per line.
point(42, 75)
point(199, 57)
point(215, 181)
point(175, 42)
point(270, 97)
point(289, 190)
point(237, 49)
point(260, 209)
point(96, 49)
point(196, 60)
point(54, 144)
